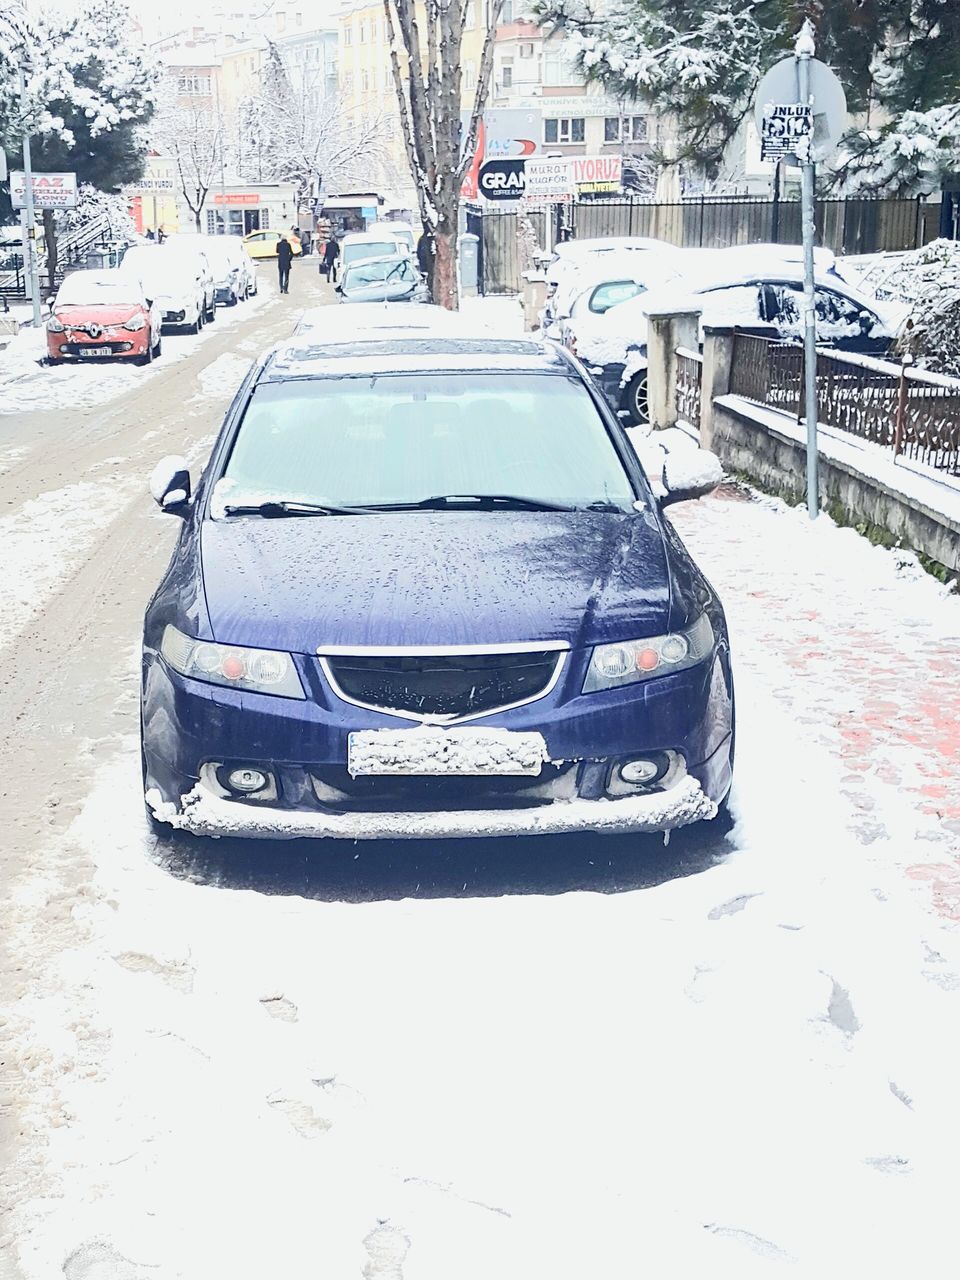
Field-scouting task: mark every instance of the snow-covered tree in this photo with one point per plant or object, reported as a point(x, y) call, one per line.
point(428, 85)
point(701, 64)
point(90, 90)
point(197, 139)
point(292, 131)
point(912, 156)
point(929, 279)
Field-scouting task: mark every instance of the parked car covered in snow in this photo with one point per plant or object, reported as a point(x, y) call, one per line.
point(383, 280)
point(234, 274)
point(171, 283)
point(579, 262)
point(191, 252)
point(359, 245)
point(102, 315)
point(470, 615)
point(614, 345)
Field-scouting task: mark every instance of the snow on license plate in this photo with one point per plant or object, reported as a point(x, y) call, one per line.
point(95, 351)
point(429, 751)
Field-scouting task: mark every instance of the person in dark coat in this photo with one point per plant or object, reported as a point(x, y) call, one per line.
point(284, 258)
point(427, 256)
point(330, 255)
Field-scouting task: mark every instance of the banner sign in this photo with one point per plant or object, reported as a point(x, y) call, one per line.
point(548, 181)
point(502, 179)
point(50, 190)
point(572, 177)
point(597, 175)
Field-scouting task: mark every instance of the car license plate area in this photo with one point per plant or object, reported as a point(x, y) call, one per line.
point(430, 751)
point(95, 351)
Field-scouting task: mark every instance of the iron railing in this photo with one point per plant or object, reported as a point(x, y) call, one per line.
point(914, 413)
point(689, 377)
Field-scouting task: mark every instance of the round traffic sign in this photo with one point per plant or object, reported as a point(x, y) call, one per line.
point(779, 85)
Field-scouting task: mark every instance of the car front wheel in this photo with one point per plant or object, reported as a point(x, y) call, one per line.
point(635, 399)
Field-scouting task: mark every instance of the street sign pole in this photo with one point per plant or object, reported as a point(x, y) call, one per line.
point(28, 217)
point(803, 52)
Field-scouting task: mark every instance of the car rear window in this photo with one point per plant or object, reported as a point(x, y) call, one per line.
point(406, 437)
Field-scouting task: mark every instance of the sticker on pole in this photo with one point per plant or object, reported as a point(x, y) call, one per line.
point(785, 130)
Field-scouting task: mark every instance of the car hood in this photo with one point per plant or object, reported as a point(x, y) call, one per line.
point(102, 314)
point(382, 291)
point(434, 578)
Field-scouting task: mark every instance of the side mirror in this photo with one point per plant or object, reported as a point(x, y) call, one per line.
point(690, 473)
point(170, 485)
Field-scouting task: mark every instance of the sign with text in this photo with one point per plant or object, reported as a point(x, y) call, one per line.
point(549, 181)
point(597, 175)
point(50, 190)
point(784, 126)
point(242, 197)
point(502, 179)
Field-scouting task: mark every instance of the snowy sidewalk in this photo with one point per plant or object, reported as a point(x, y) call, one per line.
point(862, 648)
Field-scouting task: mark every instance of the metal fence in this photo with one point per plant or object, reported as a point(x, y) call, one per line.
point(914, 413)
point(845, 226)
point(689, 376)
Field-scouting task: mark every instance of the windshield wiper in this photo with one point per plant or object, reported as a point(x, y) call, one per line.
point(472, 501)
point(275, 509)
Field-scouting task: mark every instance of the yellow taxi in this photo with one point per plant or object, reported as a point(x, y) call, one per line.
point(263, 244)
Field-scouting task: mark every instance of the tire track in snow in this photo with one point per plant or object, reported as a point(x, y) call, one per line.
point(47, 538)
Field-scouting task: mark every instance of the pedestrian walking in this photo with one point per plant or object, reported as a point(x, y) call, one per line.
point(284, 258)
point(331, 253)
point(427, 257)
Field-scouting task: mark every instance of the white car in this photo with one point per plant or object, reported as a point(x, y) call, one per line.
point(372, 321)
point(233, 271)
point(191, 250)
point(357, 245)
point(170, 283)
point(401, 231)
point(576, 262)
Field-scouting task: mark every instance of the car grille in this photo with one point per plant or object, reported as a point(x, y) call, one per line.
point(443, 686)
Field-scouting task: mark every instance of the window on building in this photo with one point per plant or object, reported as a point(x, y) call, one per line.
point(469, 75)
point(563, 129)
point(364, 82)
point(195, 86)
point(387, 78)
point(526, 49)
point(347, 82)
point(506, 74)
point(298, 19)
point(363, 31)
point(373, 30)
point(557, 65)
point(506, 12)
point(634, 129)
point(470, 18)
point(348, 33)
point(264, 219)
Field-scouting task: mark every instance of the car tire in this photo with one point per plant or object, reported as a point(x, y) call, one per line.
point(147, 356)
point(212, 313)
point(635, 400)
point(233, 300)
point(55, 360)
point(158, 349)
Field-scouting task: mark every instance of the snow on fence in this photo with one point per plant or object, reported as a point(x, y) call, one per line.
point(911, 411)
point(689, 378)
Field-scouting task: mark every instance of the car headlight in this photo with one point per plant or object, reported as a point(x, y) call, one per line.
point(134, 323)
point(55, 326)
point(632, 660)
point(260, 670)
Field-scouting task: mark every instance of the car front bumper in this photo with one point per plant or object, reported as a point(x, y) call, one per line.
point(190, 727)
point(200, 812)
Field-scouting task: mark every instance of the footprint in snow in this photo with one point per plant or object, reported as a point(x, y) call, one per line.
point(307, 1122)
point(732, 907)
point(388, 1248)
point(177, 974)
point(280, 1007)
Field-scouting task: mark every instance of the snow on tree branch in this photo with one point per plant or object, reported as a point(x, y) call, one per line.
point(910, 157)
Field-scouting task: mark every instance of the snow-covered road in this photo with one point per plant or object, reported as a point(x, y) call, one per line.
point(573, 1057)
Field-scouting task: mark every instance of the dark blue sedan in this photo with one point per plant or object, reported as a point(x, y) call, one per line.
point(424, 588)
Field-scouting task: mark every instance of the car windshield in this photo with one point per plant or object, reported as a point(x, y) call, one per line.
point(370, 249)
point(404, 438)
point(377, 271)
point(86, 289)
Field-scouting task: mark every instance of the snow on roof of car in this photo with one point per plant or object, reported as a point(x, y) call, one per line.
point(367, 237)
point(608, 244)
point(312, 356)
point(364, 318)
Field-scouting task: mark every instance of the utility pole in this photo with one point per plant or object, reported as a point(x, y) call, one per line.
point(804, 50)
point(28, 214)
point(221, 132)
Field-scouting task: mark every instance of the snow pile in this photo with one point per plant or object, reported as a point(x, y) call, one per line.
point(222, 376)
point(430, 750)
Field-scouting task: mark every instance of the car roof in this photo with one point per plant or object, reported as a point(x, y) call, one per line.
point(313, 355)
point(368, 237)
point(369, 320)
point(378, 257)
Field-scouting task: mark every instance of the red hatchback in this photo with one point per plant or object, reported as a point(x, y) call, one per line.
point(102, 315)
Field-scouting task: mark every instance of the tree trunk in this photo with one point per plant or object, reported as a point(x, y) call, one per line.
point(196, 218)
point(50, 242)
point(445, 269)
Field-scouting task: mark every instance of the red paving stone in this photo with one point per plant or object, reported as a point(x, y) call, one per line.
point(877, 678)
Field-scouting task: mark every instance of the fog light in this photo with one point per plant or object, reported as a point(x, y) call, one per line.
point(246, 780)
point(639, 773)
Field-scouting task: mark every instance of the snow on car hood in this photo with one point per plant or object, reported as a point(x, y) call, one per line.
point(434, 578)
